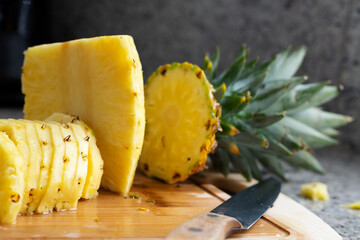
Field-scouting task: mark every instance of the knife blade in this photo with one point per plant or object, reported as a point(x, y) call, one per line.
point(239, 212)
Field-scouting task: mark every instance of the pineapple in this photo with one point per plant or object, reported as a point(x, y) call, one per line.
point(181, 123)
point(17, 133)
point(70, 162)
point(315, 191)
point(33, 172)
point(12, 184)
point(44, 136)
point(45, 166)
point(99, 79)
point(52, 197)
point(268, 116)
point(95, 162)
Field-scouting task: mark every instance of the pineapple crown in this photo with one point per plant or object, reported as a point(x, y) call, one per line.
point(269, 115)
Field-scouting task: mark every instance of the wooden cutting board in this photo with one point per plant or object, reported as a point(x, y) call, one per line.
point(113, 216)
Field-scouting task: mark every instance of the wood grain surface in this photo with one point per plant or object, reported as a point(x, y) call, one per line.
point(113, 216)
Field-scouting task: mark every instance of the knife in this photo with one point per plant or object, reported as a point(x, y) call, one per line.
point(239, 212)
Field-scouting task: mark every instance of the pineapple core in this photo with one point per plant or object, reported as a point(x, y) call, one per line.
point(100, 80)
point(315, 191)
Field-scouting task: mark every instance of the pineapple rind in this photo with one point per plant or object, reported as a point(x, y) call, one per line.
point(170, 164)
point(12, 185)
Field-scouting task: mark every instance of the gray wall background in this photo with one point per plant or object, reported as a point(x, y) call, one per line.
point(183, 30)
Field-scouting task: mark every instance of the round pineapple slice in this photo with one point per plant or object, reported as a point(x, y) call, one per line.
point(181, 121)
point(12, 185)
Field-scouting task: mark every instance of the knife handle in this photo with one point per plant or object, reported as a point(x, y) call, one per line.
point(209, 226)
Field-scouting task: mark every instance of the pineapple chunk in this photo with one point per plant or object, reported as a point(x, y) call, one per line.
point(99, 79)
point(95, 162)
point(315, 191)
point(54, 191)
point(354, 205)
point(12, 182)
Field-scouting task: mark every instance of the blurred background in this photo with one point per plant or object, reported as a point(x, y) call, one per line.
point(184, 30)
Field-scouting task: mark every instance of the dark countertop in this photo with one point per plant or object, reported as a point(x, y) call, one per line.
point(342, 178)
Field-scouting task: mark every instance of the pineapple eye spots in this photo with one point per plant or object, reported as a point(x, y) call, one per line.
point(59, 189)
point(87, 138)
point(65, 126)
point(163, 72)
point(208, 124)
point(31, 193)
point(15, 198)
point(188, 159)
point(198, 74)
point(176, 175)
point(67, 138)
point(44, 143)
point(163, 141)
point(79, 181)
point(66, 159)
point(84, 157)
point(135, 94)
point(43, 126)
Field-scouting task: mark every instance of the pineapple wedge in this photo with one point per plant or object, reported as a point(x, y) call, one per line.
point(95, 162)
point(99, 79)
point(11, 178)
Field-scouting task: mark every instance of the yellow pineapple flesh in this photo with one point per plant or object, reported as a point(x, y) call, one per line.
point(12, 184)
point(315, 191)
point(95, 162)
point(54, 192)
point(180, 111)
point(99, 79)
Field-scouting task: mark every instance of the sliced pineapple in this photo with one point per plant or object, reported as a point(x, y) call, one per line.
point(33, 172)
point(44, 135)
point(54, 192)
point(82, 141)
point(180, 111)
point(95, 162)
point(70, 159)
point(99, 79)
point(12, 182)
point(17, 133)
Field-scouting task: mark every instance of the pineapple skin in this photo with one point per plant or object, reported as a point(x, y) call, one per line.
point(99, 79)
point(12, 166)
point(172, 166)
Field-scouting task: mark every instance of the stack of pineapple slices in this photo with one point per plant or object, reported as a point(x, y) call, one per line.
point(46, 165)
